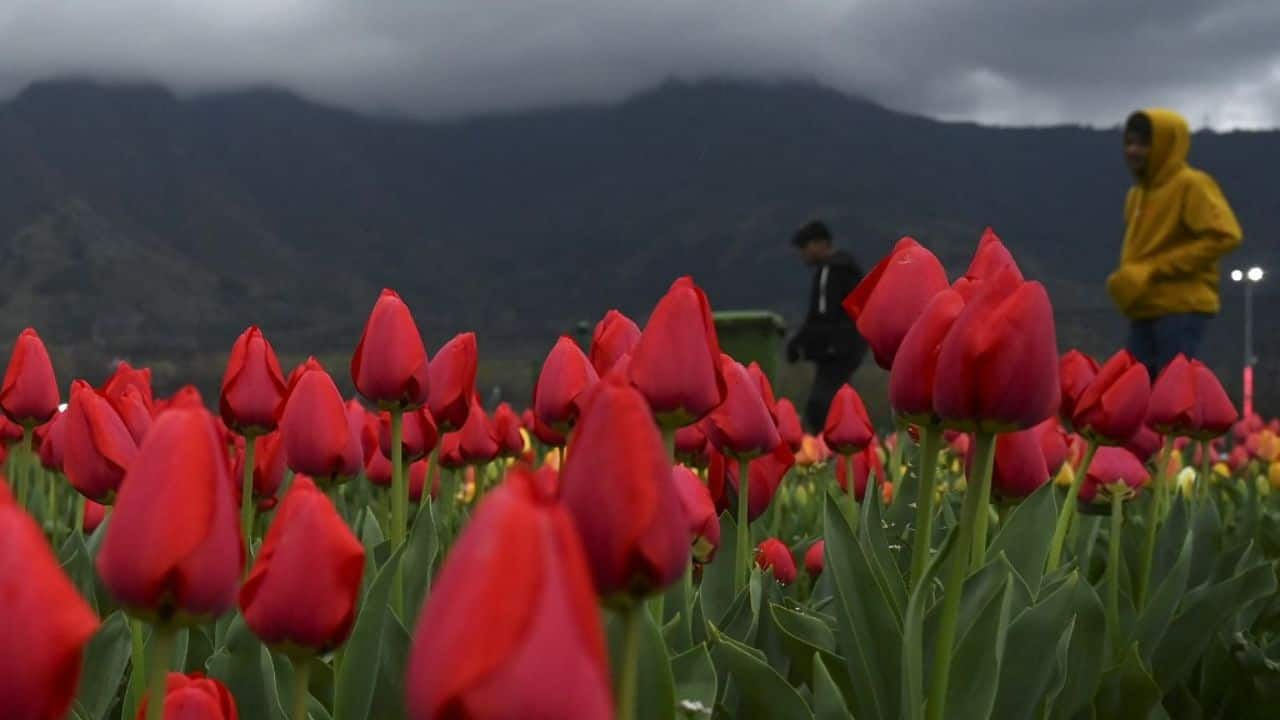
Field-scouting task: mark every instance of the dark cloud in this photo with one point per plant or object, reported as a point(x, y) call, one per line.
point(999, 61)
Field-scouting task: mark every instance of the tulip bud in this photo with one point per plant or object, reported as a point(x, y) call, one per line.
point(389, 366)
point(126, 376)
point(453, 381)
point(889, 300)
point(700, 510)
point(615, 336)
point(194, 697)
point(691, 445)
point(864, 463)
point(268, 469)
point(915, 365)
point(506, 428)
point(309, 559)
point(1020, 467)
point(99, 448)
point(616, 483)
point(773, 555)
point(789, 428)
point(477, 441)
point(566, 375)
point(1144, 444)
point(676, 364)
point(815, 558)
point(1188, 400)
point(1075, 372)
point(848, 428)
point(132, 408)
point(498, 629)
point(764, 475)
point(29, 395)
point(252, 386)
point(1053, 444)
point(54, 443)
point(1112, 465)
point(418, 434)
point(314, 424)
point(741, 426)
point(1112, 408)
point(991, 259)
point(173, 547)
point(46, 623)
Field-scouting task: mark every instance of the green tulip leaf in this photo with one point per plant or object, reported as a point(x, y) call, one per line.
point(762, 689)
point(1024, 538)
point(358, 674)
point(695, 682)
point(105, 659)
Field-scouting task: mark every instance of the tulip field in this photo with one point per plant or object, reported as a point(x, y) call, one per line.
point(1032, 535)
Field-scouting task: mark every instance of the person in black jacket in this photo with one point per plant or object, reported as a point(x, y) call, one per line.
point(828, 338)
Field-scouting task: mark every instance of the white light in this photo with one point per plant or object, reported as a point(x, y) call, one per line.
point(1237, 275)
point(62, 407)
point(1255, 274)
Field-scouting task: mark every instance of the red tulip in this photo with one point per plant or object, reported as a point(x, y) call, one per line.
point(766, 388)
point(789, 428)
point(676, 364)
point(314, 425)
point(506, 427)
point(539, 430)
point(477, 441)
point(94, 514)
point(615, 336)
point(566, 375)
point(1053, 444)
point(46, 623)
point(764, 475)
point(126, 376)
point(30, 393)
point(1112, 465)
point(991, 259)
point(253, 385)
point(1113, 406)
point(99, 448)
point(173, 545)
point(1075, 372)
point(377, 466)
point(741, 426)
point(194, 697)
point(1188, 400)
point(691, 445)
point(915, 365)
point(54, 444)
point(815, 558)
point(418, 480)
point(303, 588)
point(864, 463)
point(187, 396)
point(453, 381)
point(132, 409)
point(511, 614)
point(418, 434)
point(1020, 467)
point(450, 453)
point(700, 510)
point(893, 295)
point(1238, 458)
point(998, 366)
point(848, 428)
point(773, 555)
point(1145, 443)
point(10, 432)
point(958, 442)
point(616, 483)
point(389, 366)
point(268, 469)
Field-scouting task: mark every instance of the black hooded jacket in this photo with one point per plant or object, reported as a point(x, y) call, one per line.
point(828, 333)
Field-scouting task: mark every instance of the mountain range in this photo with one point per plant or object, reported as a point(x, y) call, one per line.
point(139, 224)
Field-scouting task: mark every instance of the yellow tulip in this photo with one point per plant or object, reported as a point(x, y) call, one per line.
point(1065, 476)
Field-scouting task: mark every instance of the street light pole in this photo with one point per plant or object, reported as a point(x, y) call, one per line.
point(1249, 277)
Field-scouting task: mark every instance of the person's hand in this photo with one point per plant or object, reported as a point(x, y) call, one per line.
point(1127, 283)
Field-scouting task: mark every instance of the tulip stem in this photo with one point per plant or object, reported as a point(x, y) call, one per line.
point(985, 447)
point(162, 637)
point(399, 501)
point(80, 503)
point(669, 442)
point(930, 437)
point(26, 467)
point(425, 497)
point(301, 680)
point(1206, 465)
point(1113, 564)
point(1153, 519)
point(246, 494)
point(741, 569)
point(954, 587)
point(628, 680)
point(1069, 508)
point(851, 489)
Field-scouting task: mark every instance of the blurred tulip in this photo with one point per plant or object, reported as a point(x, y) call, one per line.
point(268, 469)
point(389, 366)
point(99, 448)
point(314, 425)
point(764, 475)
point(616, 483)
point(864, 462)
point(506, 427)
point(615, 336)
point(676, 364)
point(46, 623)
point(889, 300)
point(1112, 465)
point(418, 434)
point(1075, 372)
point(94, 514)
point(1238, 458)
point(303, 588)
point(691, 445)
point(789, 428)
point(418, 480)
point(1113, 406)
point(453, 381)
point(1053, 444)
point(132, 409)
point(815, 558)
point(126, 376)
point(1020, 467)
point(1144, 444)
point(29, 396)
point(773, 555)
point(848, 428)
point(915, 365)
point(252, 386)
point(813, 451)
point(54, 444)
point(477, 441)
point(566, 375)
point(1188, 400)
point(173, 545)
point(741, 426)
point(756, 373)
point(194, 697)
point(500, 628)
point(700, 510)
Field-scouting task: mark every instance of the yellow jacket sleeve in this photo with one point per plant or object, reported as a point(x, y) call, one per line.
point(1213, 228)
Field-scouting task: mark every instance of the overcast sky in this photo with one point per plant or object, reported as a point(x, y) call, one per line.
point(994, 61)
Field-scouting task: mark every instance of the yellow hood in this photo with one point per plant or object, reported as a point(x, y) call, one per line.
point(1170, 144)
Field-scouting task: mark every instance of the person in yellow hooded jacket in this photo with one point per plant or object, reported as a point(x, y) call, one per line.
point(1177, 226)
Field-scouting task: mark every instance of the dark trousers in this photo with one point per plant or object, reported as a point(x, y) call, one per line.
point(828, 377)
point(1156, 341)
